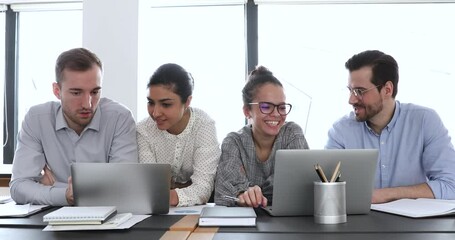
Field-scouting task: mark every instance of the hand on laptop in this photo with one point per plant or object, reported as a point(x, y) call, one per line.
point(69, 192)
point(48, 177)
point(252, 198)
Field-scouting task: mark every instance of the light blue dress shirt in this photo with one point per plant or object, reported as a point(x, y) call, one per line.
point(46, 139)
point(414, 148)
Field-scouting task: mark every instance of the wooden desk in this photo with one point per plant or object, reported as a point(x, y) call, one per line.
point(5, 174)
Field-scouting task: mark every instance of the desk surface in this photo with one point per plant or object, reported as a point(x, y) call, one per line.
point(12, 233)
point(376, 225)
point(318, 236)
point(370, 223)
point(159, 222)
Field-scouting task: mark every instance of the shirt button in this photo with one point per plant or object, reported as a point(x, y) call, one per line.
point(382, 143)
point(383, 166)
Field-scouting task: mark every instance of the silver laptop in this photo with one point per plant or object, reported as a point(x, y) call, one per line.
point(295, 174)
point(137, 188)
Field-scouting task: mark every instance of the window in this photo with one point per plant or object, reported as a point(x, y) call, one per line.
point(208, 41)
point(306, 46)
point(43, 35)
point(37, 33)
point(2, 74)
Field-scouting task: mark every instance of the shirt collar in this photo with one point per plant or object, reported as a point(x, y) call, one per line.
point(60, 122)
point(392, 122)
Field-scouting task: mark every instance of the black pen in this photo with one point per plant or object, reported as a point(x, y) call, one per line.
point(338, 177)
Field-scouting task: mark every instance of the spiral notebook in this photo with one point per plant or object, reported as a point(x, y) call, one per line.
point(80, 215)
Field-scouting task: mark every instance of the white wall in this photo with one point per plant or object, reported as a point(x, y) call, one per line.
point(110, 29)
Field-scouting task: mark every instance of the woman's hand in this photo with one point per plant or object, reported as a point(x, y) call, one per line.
point(252, 198)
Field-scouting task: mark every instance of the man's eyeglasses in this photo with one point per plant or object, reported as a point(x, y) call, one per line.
point(267, 107)
point(358, 92)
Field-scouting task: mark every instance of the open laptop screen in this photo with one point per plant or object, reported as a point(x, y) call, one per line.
point(295, 173)
point(137, 188)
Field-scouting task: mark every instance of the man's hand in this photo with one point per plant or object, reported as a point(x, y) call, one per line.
point(252, 198)
point(48, 177)
point(381, 196)
point(69, 192)
point(384, 195)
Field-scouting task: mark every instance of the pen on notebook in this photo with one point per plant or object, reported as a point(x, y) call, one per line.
point(320, 173)
point(232, 198)
point(335, 172)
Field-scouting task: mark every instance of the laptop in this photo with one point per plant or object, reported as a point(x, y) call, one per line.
point(295, 173)
point(136, 188)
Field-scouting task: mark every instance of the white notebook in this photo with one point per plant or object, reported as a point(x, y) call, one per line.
point(5, 198)
point(79, 215)
point(417, 208)
point(227, 216)
point(11, 209)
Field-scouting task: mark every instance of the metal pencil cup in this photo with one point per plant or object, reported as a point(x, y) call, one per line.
point(330, 202)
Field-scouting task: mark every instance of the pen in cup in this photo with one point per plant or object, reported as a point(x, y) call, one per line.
point(320, 173)
point(336, 172)
point(338, 178)
point(231, 198)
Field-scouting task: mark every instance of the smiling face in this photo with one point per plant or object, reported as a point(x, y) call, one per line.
point(79, 93)
point(370, 103)
point(266, 125)
point(167, 110)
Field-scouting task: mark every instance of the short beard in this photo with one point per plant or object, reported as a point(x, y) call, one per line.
point(370, 111)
